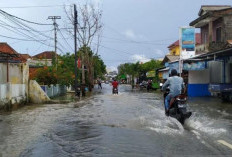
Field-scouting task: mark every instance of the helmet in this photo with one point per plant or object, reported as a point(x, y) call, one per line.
point(173, 72)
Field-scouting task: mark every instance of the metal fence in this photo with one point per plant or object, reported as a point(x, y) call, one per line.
point(54, 90)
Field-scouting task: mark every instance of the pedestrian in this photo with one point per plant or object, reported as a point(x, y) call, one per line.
point(99, 83)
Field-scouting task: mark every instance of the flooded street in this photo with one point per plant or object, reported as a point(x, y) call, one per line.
point(129, 124)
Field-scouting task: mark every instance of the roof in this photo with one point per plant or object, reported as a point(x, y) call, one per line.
point(164, 69)
point(210, 15)
point(26, 56)
point(176, 43)
point(213, 55)
point(206, 8)
point(7, 51)
point(45, 55)
point(5, 48)
point(197, 37)
point(170, 58)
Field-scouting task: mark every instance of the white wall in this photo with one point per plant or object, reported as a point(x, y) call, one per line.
point(15, 71)
point(16, 90)
point(199, 77)
point(12, 93)
point(3, 73)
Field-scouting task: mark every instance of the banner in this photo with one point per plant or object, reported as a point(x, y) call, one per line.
point(79, 63)
point(150, 74)
point(195, 66)
point(187, 42)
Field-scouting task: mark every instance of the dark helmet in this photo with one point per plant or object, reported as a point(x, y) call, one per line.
point(173, 72)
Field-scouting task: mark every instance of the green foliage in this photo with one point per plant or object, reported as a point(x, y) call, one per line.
point(136, 69)
point(99, 67)
point(46, 76)
point(62, 74)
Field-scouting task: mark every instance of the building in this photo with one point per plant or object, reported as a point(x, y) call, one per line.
point(43, 58)
point(14, 77)
point(215, 24)
point(171, 59)
point(214, 55)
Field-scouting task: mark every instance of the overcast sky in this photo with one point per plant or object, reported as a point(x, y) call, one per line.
point(133, 29)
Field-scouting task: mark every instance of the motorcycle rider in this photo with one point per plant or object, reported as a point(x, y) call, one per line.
point(175, 84)
point(115, 84)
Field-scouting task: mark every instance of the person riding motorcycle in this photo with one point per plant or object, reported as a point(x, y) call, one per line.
point(176, 85)
point(115, 84)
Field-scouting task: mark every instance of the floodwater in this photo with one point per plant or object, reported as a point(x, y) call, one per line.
point(131, 124)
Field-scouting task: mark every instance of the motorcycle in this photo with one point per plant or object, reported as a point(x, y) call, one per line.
point(115, 90)
point(178, 107)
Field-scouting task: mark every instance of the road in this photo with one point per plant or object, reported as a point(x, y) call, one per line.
point(131, 124)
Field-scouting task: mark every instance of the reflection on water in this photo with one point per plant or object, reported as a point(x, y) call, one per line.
point(131, 123)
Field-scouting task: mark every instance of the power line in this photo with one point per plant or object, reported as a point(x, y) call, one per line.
point(42, 6)
point(139, 42)
point(23, 19)
point(20, 38)
point(5, 24)
point(22, 25)
point(113, 49)
point(65, 40)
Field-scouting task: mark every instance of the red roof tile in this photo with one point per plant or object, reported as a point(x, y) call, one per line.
point(197, 37)
point(7, 49)
point(45, 55)
point(26, 56)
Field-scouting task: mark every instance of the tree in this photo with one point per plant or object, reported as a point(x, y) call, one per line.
point(136, 69)
point(99, 67)
point(63, 74)
point(89, 29)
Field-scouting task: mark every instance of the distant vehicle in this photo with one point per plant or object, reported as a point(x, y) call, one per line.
point(115, 90)
point(107, 82)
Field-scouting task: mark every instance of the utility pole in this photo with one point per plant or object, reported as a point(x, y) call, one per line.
point(53, 18)
point(77, 90)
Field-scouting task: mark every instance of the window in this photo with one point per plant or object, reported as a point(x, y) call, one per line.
point(218, 34)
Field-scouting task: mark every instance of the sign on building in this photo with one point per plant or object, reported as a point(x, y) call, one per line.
point(187, 42)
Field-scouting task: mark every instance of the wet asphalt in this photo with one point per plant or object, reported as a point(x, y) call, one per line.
point(129, 124)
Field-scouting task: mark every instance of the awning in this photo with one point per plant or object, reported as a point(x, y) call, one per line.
point(165, 69)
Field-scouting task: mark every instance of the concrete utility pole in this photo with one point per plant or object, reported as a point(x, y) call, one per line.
point(55, 34)
point(77, 91)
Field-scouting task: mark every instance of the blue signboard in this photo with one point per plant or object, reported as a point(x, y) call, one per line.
point(188, 39)
point(194, 66)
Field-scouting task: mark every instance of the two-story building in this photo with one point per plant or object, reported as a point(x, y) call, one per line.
point(215, 24)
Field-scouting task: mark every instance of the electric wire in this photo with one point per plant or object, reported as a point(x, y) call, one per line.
point(42, 6)
point(23, 34)
point(22, 18)
point(65, 39)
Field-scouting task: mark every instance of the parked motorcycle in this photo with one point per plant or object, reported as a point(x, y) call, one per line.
point(115, 90)
point(178, 107)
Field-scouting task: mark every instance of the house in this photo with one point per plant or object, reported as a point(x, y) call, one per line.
point(213, 64)
point(14, 77)
point(215, 24)
point(43, 58)
point(171, 59)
